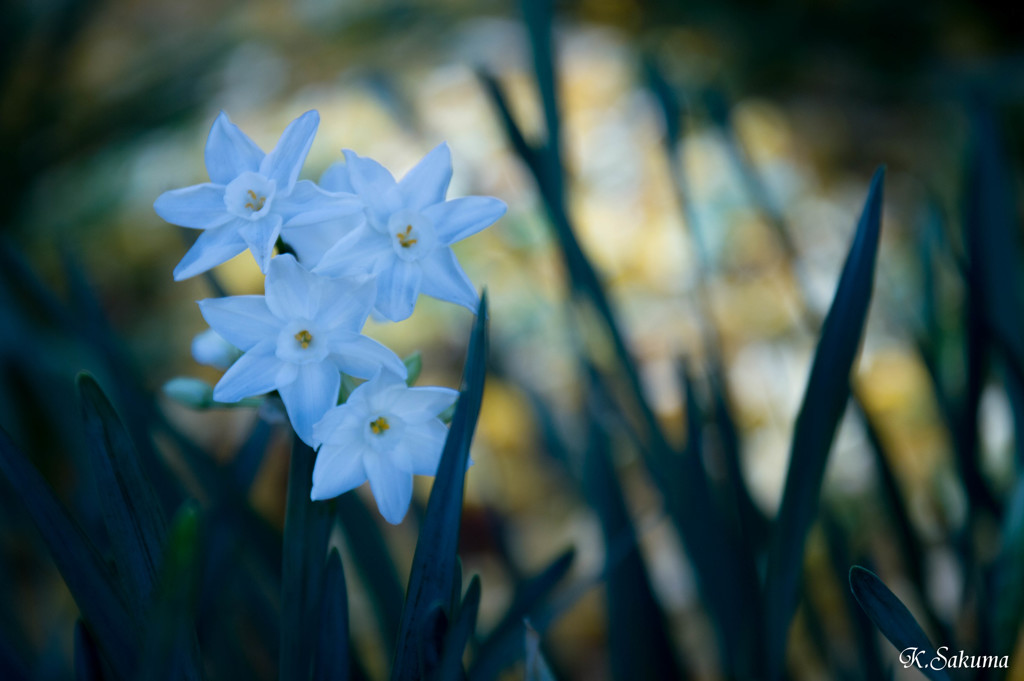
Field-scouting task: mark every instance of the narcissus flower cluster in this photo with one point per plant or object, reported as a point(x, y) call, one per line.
point(357, 242)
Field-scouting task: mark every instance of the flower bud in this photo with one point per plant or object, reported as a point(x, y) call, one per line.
point(190, 392)
point(211, 349)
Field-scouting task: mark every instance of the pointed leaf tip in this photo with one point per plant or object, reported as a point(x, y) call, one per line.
point(894, 620)
point(824, 401)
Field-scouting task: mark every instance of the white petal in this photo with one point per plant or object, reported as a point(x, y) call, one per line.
point(200, 206)
point(285, 161)
point(339, 426)
point(374, 185)
point(345, 303)
point(310, 395)
point(443, 278)
point(336, 179)
point(382, 391)
point(427, 182)
point(391, 487)
point(213, 247)
point(242, 321)
point(424, 403)
point(336, 471)
point(292, 291)
point(456, 219)
point(420, 450)
point(397, 289)
point(358, 252)
point(363, 357)
point(311, 242)
point(230, 152)
point(309, 204)
point(255, 373)
point(261, 236)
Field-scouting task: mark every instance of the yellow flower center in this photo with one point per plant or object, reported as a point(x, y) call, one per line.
point(403, 237)
point(380, 425)
point(305, 338)
point(256, 205)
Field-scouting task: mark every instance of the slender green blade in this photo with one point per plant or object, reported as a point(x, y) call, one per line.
point(374, 564)
point(869, 657)
point(992, 234)
point(414, 365)
point(249, 457)
point(131, 509)
point(459, 634)
point(171, 649)
point(87, 658)
point(332, 651)
point(100, 598)
point(502, 647)
point(638, 641)
point(537, 668)
point(307, 527)
point(433, 565)
point(1007, 611)
point(825, 398)
point(894, 621)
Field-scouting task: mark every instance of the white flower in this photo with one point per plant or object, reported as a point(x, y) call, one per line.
point(410, 227)
point(210, 348)
point(385, 432)
point(296, 340)
point(252, 196)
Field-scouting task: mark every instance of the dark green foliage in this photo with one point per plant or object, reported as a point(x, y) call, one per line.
point(892, 618)
point(87, 657)
point(134, 519)
point(100, 597)
point(424, 617)
point(373, 563)
point(459, 634)
point(332, 651)
point(220, 592)
point(306, 531)
point(639, 645)
point(502, 647)
point(828, 390)
point(170, 649)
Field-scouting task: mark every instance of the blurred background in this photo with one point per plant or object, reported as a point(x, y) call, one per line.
point(718, 228)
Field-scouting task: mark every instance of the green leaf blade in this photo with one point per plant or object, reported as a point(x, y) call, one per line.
point(828, 390)
point(893, 619)
point(99, 596)
point(433, 567)
point(332, 651)
point(131, 510)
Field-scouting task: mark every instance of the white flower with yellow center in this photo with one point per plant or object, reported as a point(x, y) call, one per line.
point(406, 239)
point(297, 339)
point(251, 197)
point(385, 433)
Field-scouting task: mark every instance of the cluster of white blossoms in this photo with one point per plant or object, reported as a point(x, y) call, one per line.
point(362, 242)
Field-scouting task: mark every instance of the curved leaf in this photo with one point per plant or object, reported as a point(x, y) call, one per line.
point(825, 398)
point(459, 634)
point(307, 528)
point(895, 622)
point(433, 564)
point(131, 510)
point(171, 650)
point(98, 595)
point(502, 647)
point(332, 650)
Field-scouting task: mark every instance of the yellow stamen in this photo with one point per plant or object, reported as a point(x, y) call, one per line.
point(380, 425)
point(305, 338)
point(256, 204)
point(403, 237)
